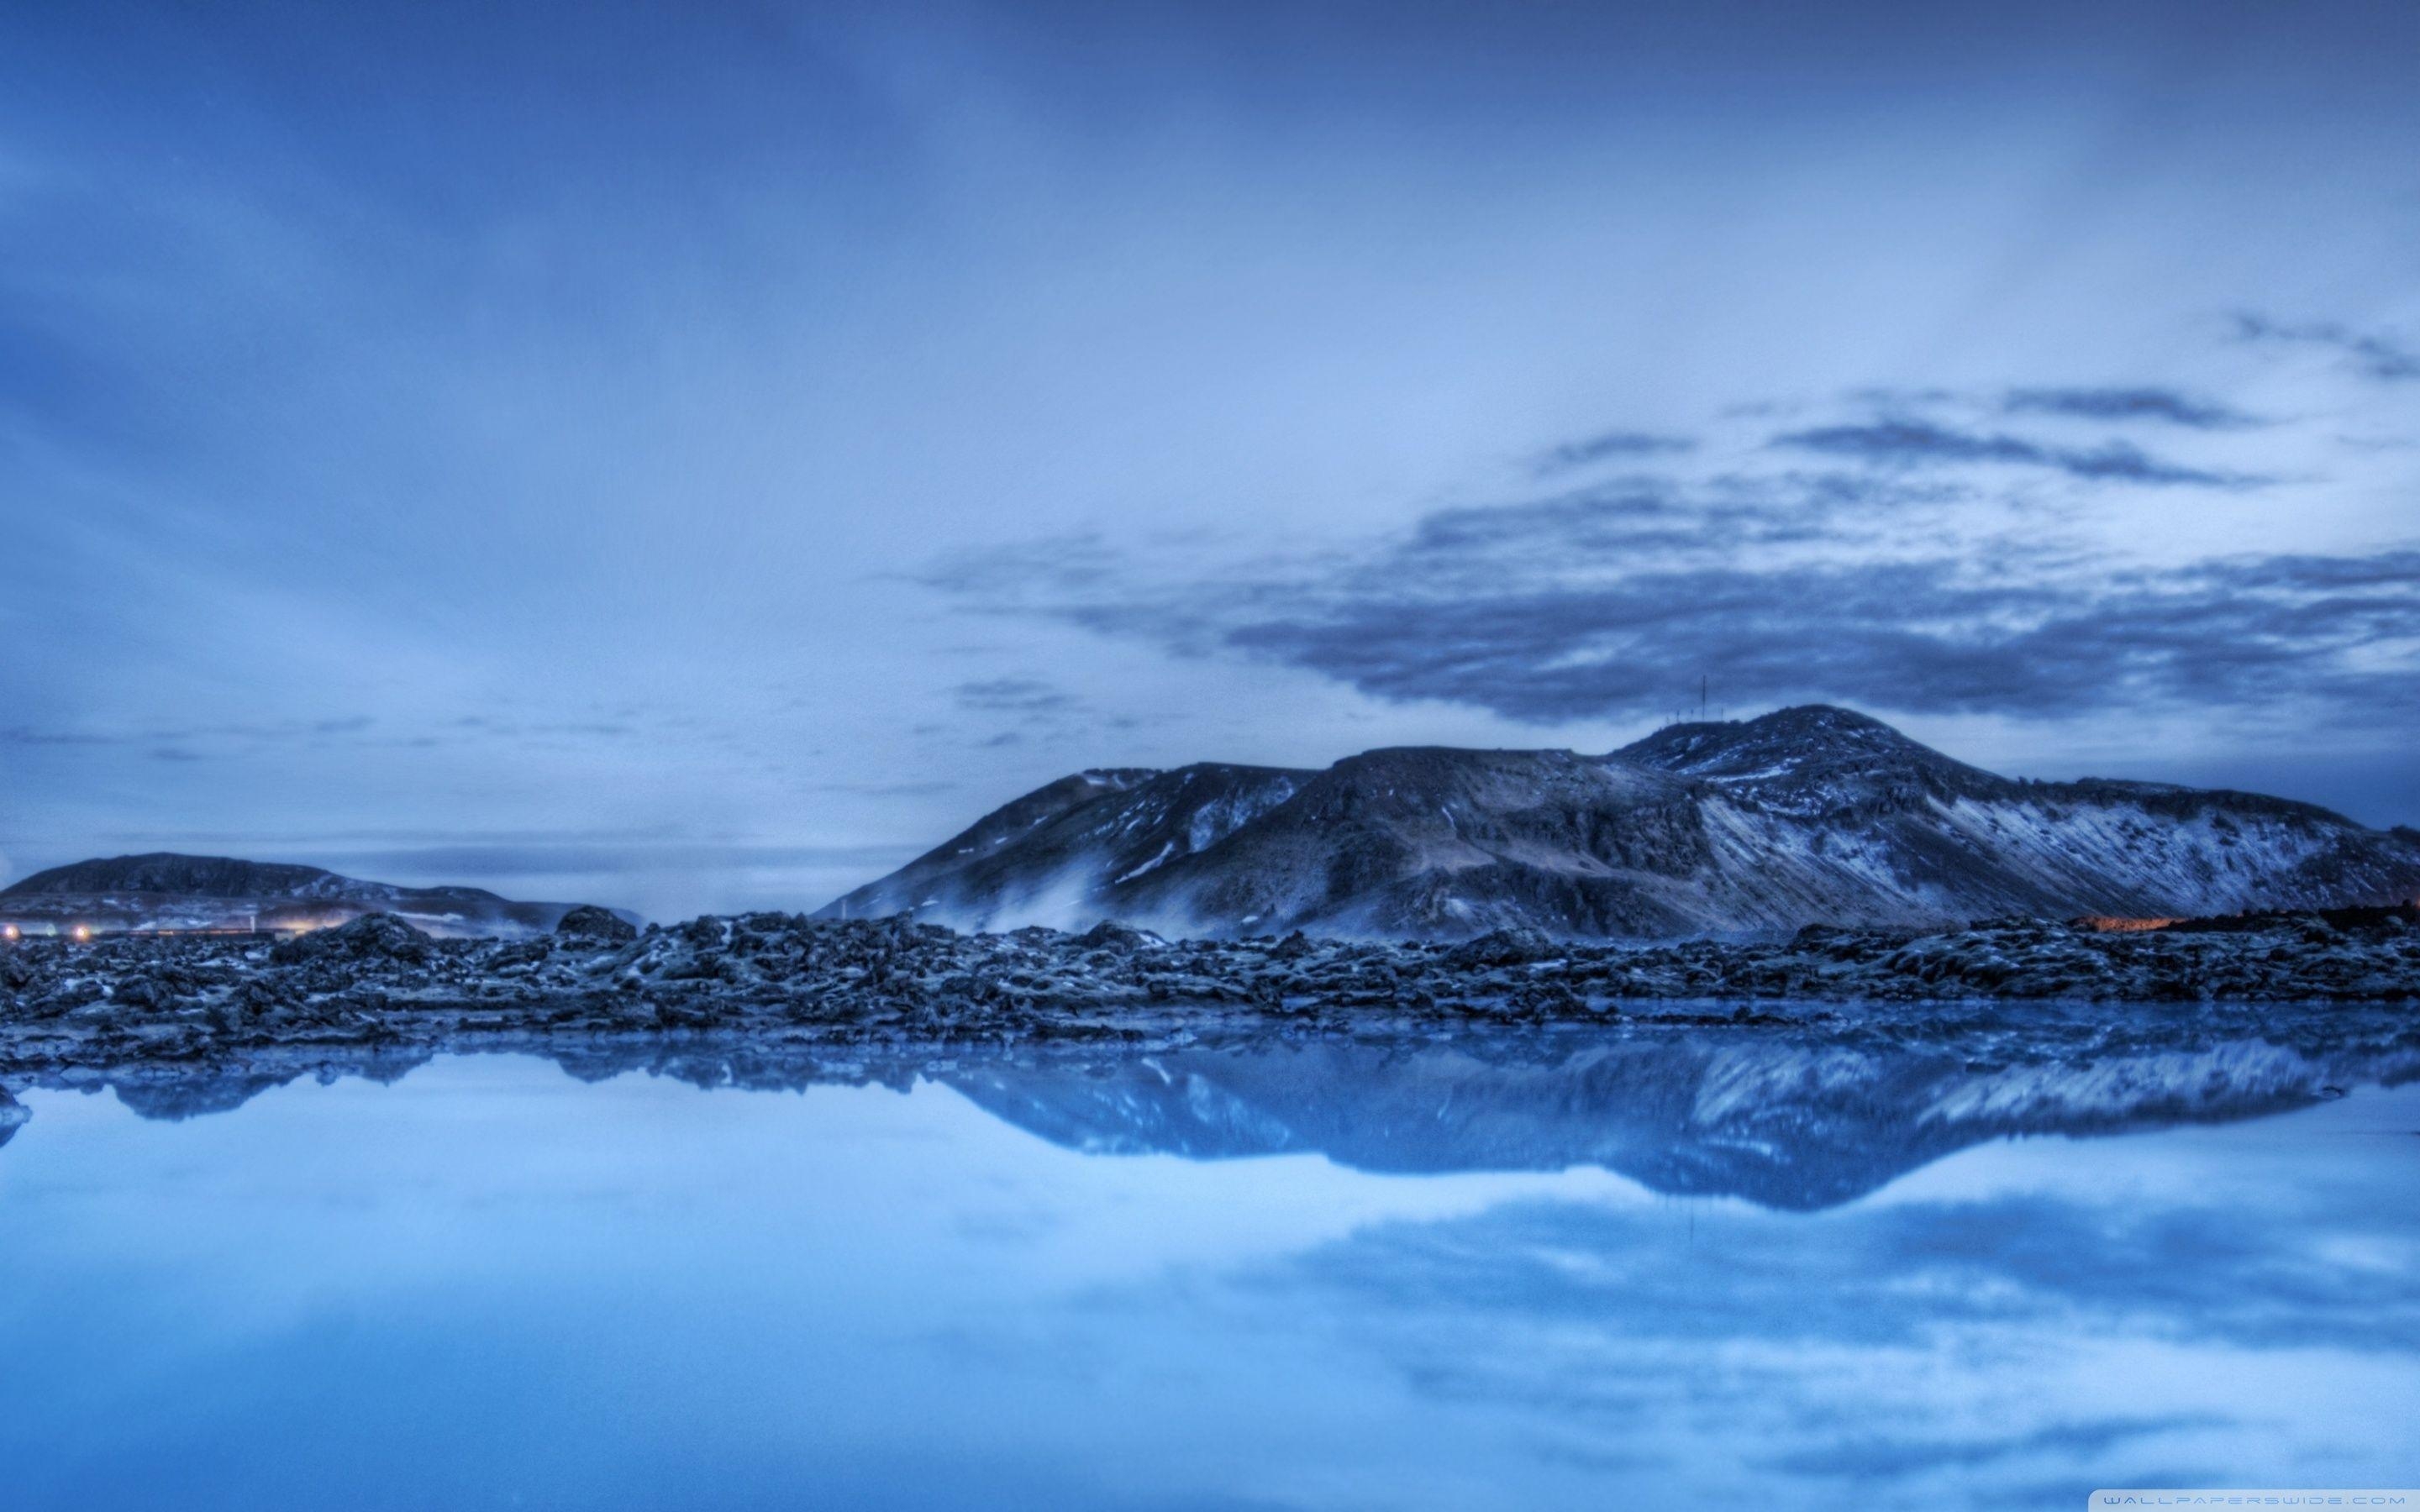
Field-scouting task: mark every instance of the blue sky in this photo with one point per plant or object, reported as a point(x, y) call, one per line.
point(695, 457)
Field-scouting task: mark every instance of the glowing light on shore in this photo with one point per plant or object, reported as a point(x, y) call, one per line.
point(84, 932)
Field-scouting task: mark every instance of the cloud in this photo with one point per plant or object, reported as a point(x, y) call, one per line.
point(1919, 443)
point(1943, 635)
point(2127, 404)
point(1604, 447)
point(180, 735)
point(1597, 603)
point(1069, 563)
point(1877, 1458)
point(506, 857)
point(2374, 356)
point(1636, 516)
point(27, 736)
point(199, 741)
point(1012, 695)
point(1903, 1369)
point(2179, 1271)
point(884, 789)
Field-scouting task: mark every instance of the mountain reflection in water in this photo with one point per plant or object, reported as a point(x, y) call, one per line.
point(1791, 1118)
point(1767, 1267)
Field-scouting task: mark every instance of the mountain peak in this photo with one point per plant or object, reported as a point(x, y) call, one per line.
point(1811, 759)
point(1811, 725)
point(1823, 717)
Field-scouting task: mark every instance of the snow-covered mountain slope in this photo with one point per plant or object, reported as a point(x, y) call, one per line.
point(1042, 859)
point(1807, 815)
point(168, 891)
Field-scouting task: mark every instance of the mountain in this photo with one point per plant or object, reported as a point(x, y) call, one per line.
point(1807, 816)
point(168, 891)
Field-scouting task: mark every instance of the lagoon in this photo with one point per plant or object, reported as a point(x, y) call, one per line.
point(1711, 1270)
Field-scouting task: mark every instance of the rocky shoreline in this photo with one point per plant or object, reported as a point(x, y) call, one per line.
point(789, 979)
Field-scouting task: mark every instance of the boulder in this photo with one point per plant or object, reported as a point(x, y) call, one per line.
point(1120, 938)
point(1515, 947)
point(595, 926)
point(370, 937)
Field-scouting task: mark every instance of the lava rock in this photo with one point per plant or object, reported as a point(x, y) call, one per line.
point(1293, 947)
point(370, 937)
point(1107, 935)
point(1515, 947)
point(597, 926)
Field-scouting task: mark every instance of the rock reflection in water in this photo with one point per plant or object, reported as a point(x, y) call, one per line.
point(12, 1114)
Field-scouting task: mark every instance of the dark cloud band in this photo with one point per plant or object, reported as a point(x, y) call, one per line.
point(2164, 406)
point(2374, 356)
point(1921, 443)
point(1599, 604)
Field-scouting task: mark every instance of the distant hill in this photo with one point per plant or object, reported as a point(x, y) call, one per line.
point(164, 890)
point(1808, 815)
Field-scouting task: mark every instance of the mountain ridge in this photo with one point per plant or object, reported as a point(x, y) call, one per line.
point(1809, 814)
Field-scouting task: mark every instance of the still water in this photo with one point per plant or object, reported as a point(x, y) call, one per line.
point(1710, 1271)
